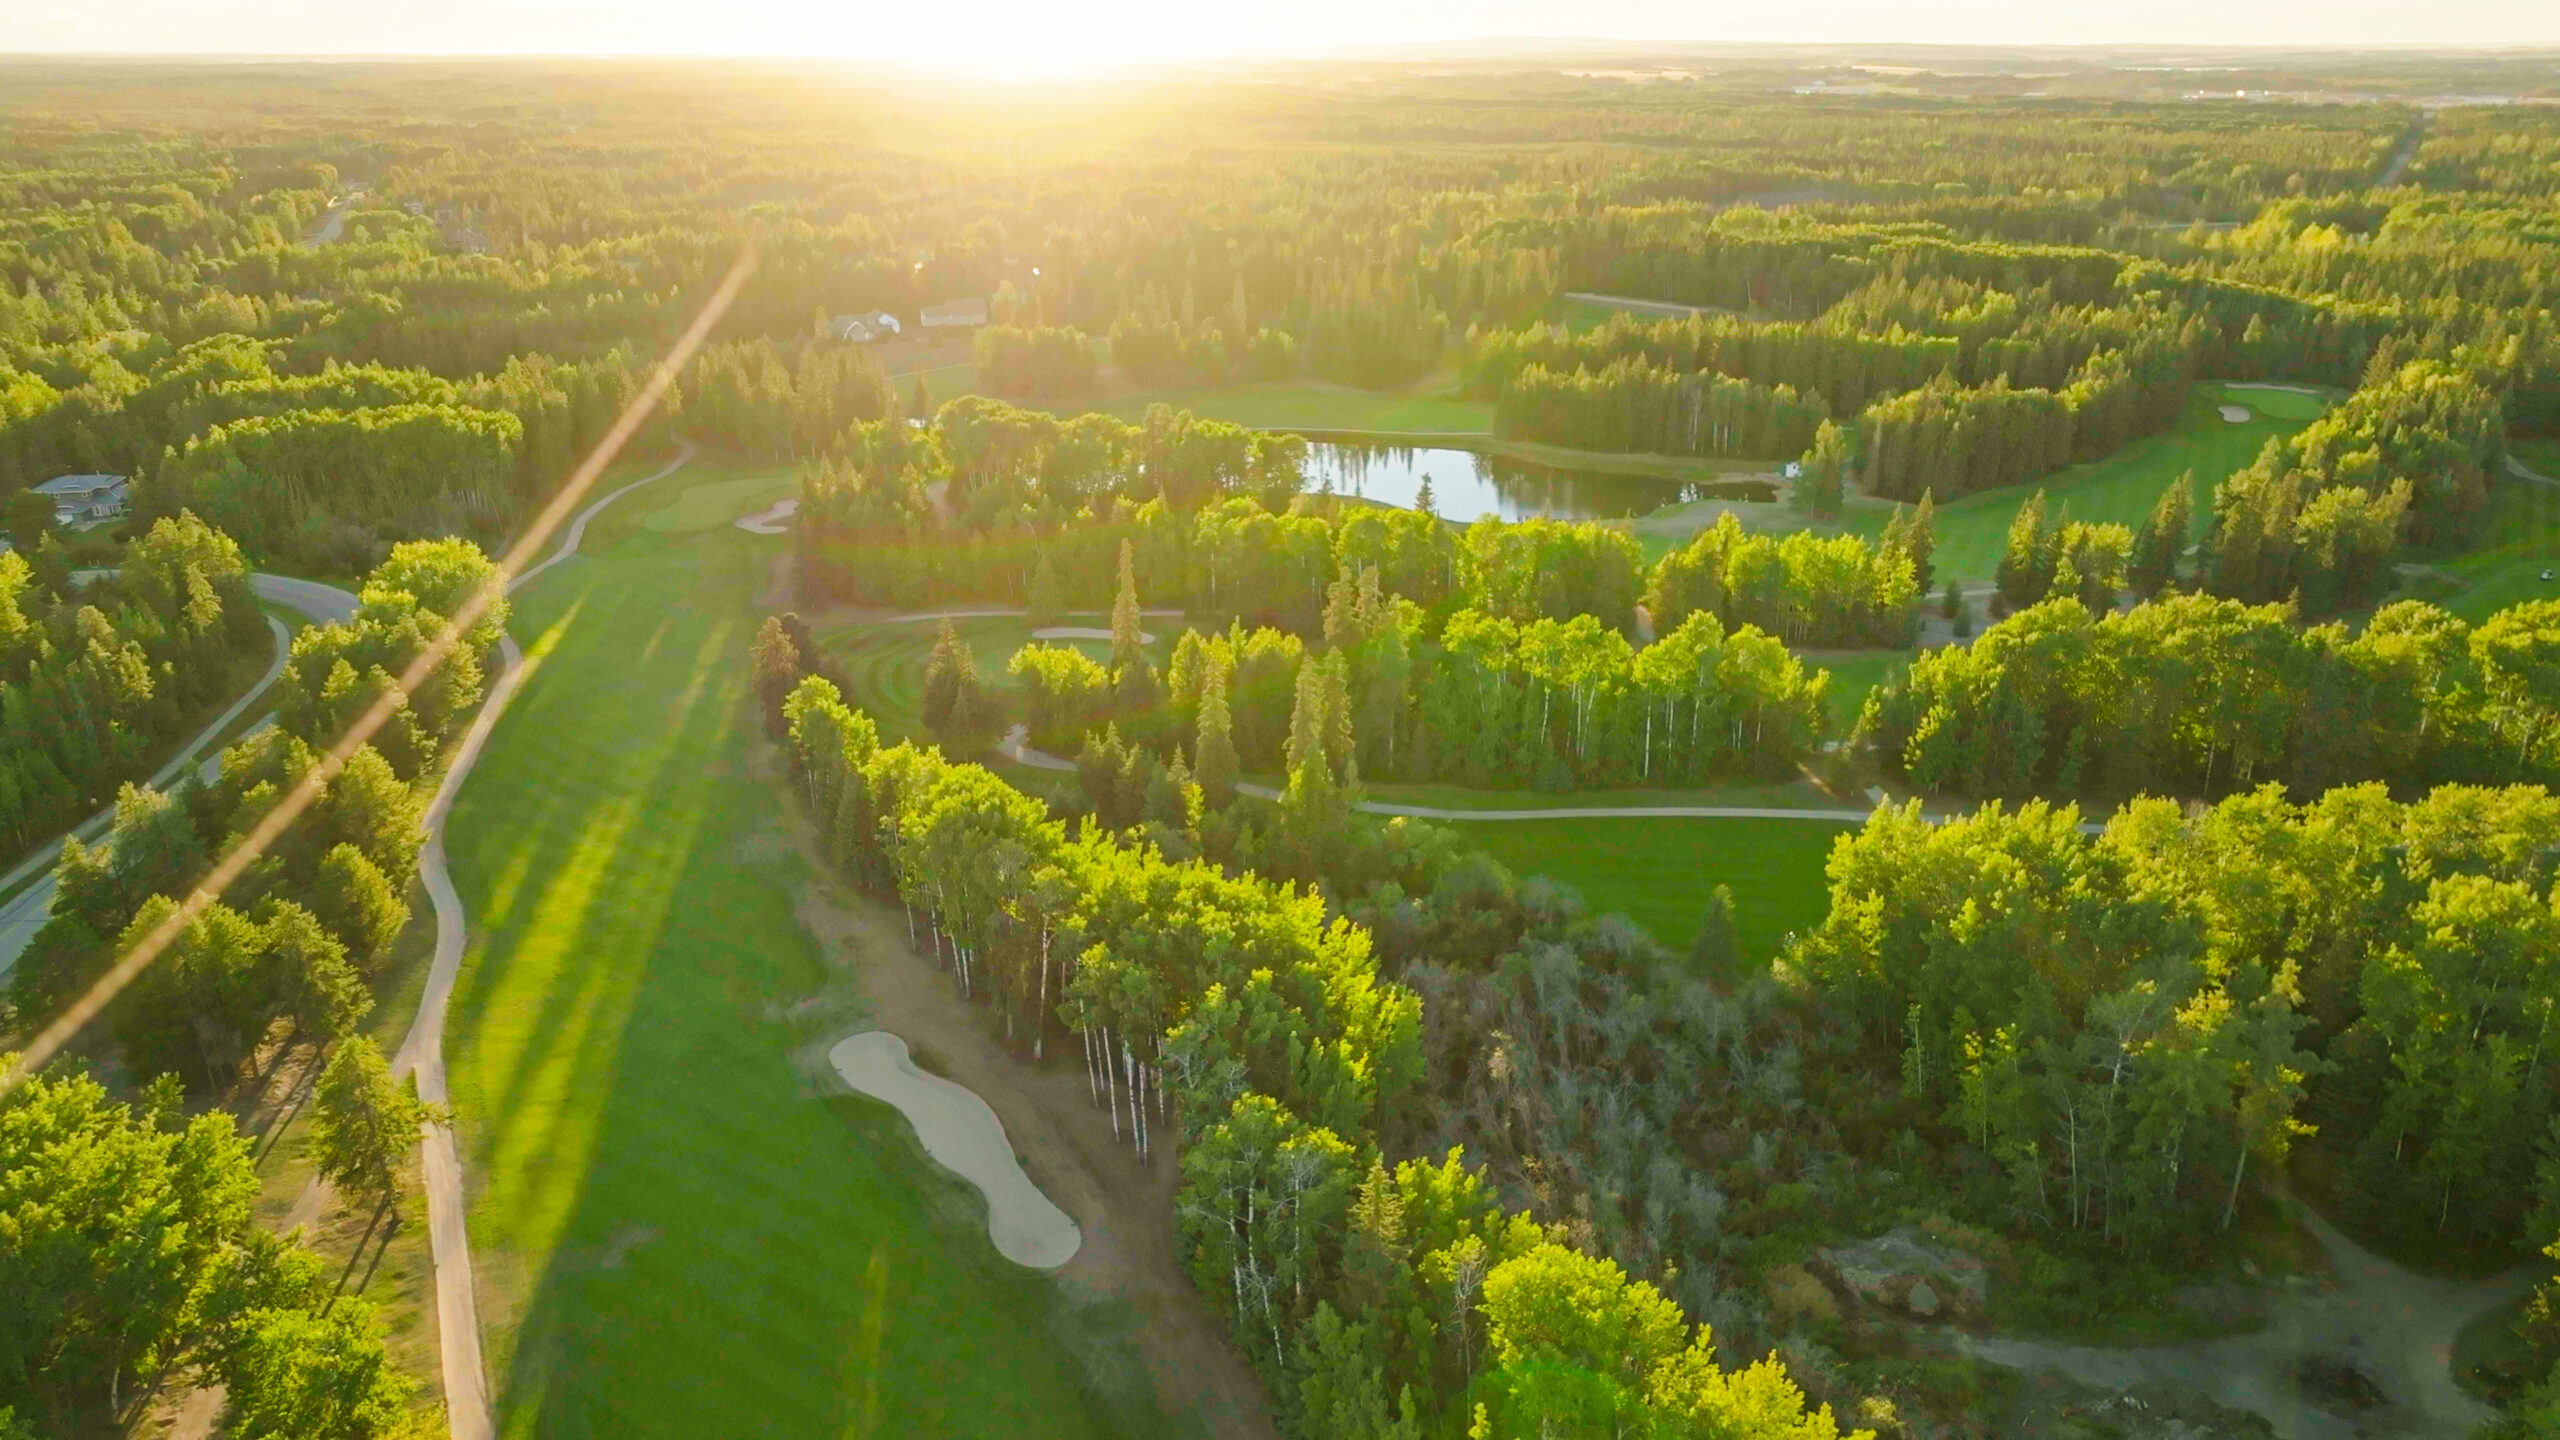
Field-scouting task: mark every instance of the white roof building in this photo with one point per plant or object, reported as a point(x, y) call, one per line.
point(972, 311)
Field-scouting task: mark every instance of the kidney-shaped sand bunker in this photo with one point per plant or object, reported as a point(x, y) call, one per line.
point(964, 1136)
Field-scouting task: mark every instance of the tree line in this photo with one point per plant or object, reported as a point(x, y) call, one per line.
point(1395, 1294)
point(2113, 1033)
point(1633, 405)
point(97, 681)
point(2197, 695)
point(284, 959)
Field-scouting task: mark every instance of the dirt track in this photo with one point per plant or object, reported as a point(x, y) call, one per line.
point(1066, 1145)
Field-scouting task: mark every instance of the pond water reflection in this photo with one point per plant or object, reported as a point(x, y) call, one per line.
point(1467, 485)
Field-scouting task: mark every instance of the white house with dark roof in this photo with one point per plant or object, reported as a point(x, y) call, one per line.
point(864, 329)
point(80, 500)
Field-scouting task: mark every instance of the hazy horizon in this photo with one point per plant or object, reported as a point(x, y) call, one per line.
point(1016, 36)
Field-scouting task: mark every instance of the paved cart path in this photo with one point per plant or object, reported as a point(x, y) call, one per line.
point(466, 1381)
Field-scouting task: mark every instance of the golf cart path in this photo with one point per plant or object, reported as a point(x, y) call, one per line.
point(1016, 747)
point(2522, 471)
point(466, 1386)
point(25, 912)
point(2394, 1326)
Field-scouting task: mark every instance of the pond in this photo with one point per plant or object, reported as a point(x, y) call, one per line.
point(1468, 485)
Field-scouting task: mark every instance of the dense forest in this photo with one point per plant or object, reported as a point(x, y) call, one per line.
point(1456, 1157)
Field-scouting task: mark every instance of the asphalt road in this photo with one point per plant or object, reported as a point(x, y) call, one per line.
point(25, 912)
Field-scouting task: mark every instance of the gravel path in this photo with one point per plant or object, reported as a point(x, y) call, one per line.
point(466, 1385)
point(2393, 1326)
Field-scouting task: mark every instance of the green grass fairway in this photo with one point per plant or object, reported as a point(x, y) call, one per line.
point(2523, 540)
point(1302, 405)
point(883, 664)
point(1791, 795)
point(2281, 404)
point(1853, 674)
point(676, 1236)
point(1659, 873)
point(2121, 488)
point(708, 507)
point(2540, 456)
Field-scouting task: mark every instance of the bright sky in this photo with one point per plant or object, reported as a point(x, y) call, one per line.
point(1015, 36)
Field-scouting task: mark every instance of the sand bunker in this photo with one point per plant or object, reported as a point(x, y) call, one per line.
point(1082, 632)
point(964, 1136)
point(768, 521)
point(2236, 414)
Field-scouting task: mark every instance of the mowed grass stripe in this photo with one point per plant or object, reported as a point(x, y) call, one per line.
point(676, 1237)
point(2121, 489)
point(1659, 873)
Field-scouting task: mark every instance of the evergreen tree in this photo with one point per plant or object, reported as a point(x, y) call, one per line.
point(1134, 686)
point(1822, 475)
point(2162, 542)
point(1046, 601)
point(365, 1124)
point(1952, 605)
point(1215, 764)
point(777, 669)
point(2027, 557)
point(1717, 952)
point(954, 705)
point(1921, 542)
point(1127, 648)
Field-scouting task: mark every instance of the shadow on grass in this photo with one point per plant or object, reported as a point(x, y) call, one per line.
point(677, 1238)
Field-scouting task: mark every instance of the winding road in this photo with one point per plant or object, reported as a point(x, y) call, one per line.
point(25, 912)
point(466, 1381)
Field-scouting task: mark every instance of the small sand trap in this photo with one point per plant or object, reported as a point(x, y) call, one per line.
point(1082, 632)
point(768, 521)
point(964, 1136)
point(2236, 414)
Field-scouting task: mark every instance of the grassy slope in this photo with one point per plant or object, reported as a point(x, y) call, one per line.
point(712, 505)
point(1853, 674)
point(1300, 405)
point(676, 1236)
point(1660, 872)
point(2121, 488)
point(883, 665)
point(2523, 540)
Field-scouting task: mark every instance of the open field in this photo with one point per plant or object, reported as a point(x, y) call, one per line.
point(1302, 405)
point(1659, 873)
point(883, 664)
point(2121, 488)
point(2521, 542)
point(1264, 404)
point(1853, 674)
point(721, 502)
point(679, 1233)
